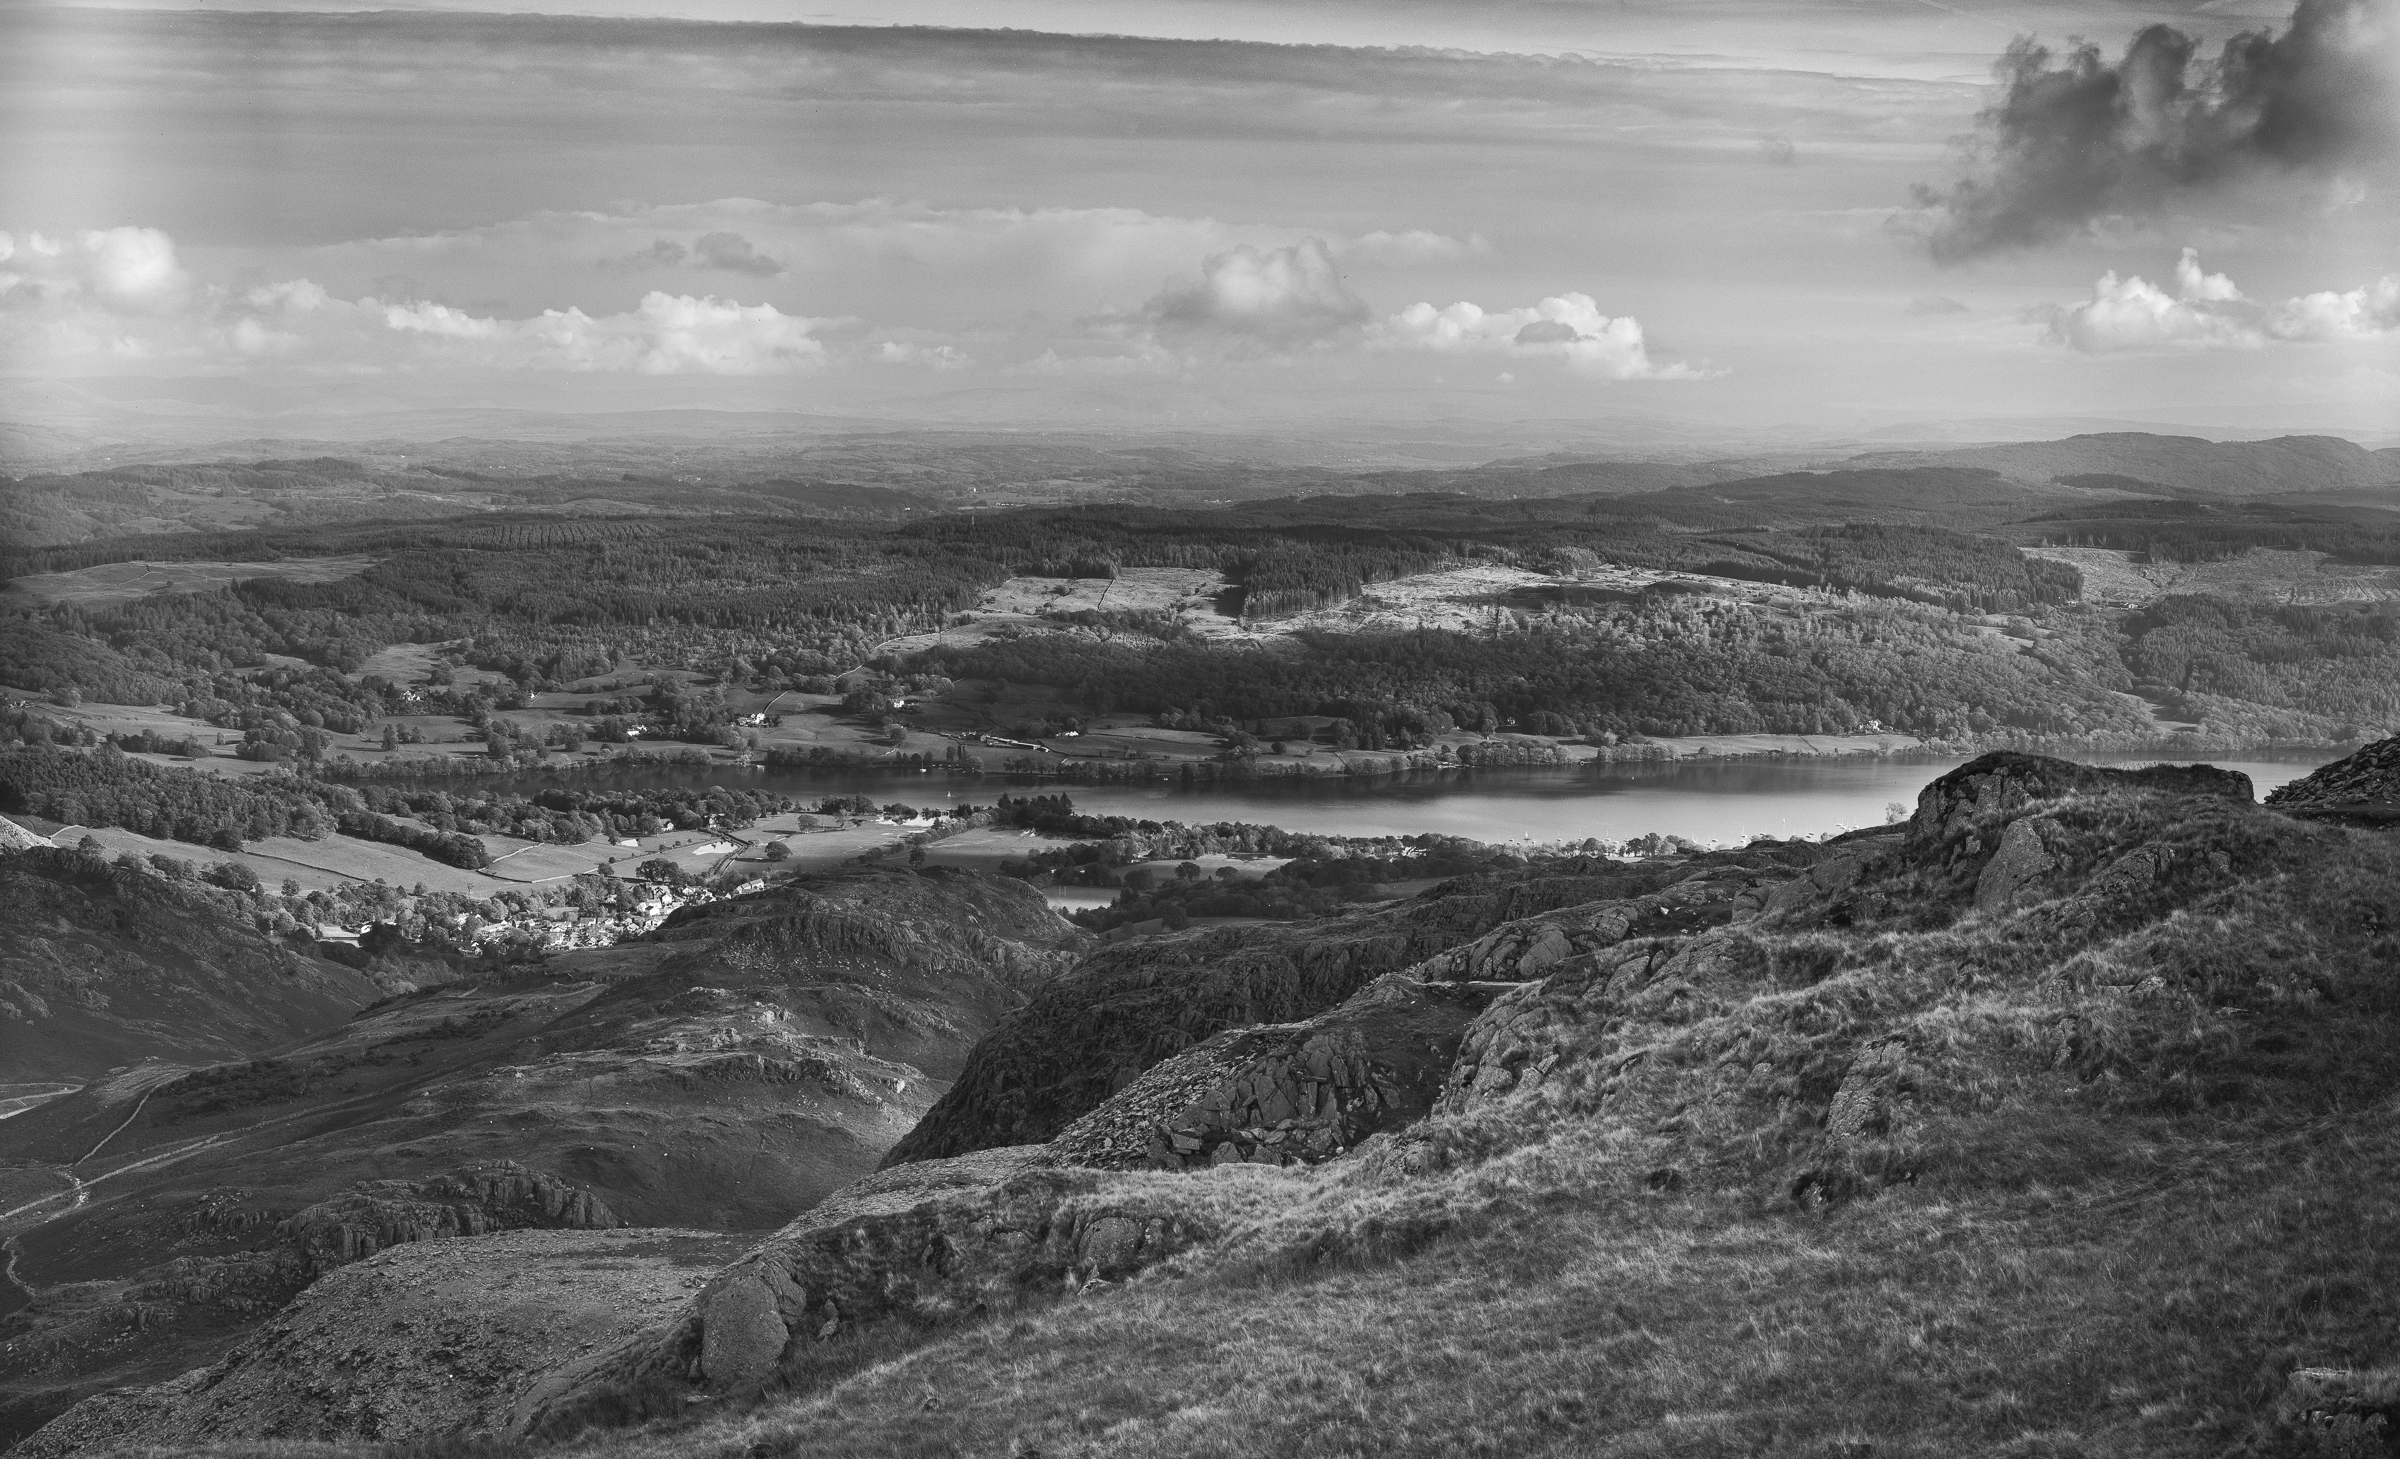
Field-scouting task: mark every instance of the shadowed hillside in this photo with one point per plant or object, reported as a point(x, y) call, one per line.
point(762, 1052)
point(101, 967)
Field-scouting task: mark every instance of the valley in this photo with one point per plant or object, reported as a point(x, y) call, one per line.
point(635, 980)
point(1071, 729)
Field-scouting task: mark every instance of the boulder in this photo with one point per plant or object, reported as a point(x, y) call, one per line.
point(2021, 861)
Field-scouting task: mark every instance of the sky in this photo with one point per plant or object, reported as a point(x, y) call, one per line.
point(1747, 215)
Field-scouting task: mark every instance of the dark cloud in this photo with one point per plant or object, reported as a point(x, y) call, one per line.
point(734, 254)
point(1548, 331)
point(662, 254)
point(2075, 139)
point(727, 252)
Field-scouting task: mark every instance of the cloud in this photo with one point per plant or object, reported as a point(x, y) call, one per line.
point(2208, 311)
point(1935, 304)
point(120, 297)
point(1569, 327)
point(666, 334)
point(1248, 296)
point(725, 251)
point(924, 356)
point(1411, 247)
point(664, 253)
point(733, 254)
point(121, 268)
point(2074, 139)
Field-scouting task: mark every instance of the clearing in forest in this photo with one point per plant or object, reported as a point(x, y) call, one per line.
point(122, 582)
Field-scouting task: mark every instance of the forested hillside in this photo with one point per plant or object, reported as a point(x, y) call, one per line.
point(1910, 607)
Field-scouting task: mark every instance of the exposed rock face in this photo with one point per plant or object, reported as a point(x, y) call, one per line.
point(1094, 1030)
point(1582, 1013)
point(1972, 835)
point(14, 837)
point(417, 1341)
point(1286, 1094)
point(2362, 788)
point(1989, 787)
point(384, 1213)
point(925, 1244)
point(102, 967)
point(2021, 860)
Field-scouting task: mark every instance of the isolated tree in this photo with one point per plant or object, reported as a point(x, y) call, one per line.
point(233, 876)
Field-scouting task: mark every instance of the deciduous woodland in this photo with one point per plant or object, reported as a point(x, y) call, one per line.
point(1774, 606)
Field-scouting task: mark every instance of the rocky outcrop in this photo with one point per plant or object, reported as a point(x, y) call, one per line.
point(417, 1341)
point(923, 1246)
point(350, 1227)
point(14, 837)
point(2021, 861)
point(1575, 1016)
point(1288, 1094)
point(1094, 1030)
point(2362, 788)
point(2008, 830)
point(1987, 789)
point(385, 1213)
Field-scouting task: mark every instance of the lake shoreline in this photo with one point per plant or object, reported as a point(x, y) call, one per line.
point(1349, 766)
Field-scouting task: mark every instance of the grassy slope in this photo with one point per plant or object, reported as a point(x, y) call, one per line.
point(775, 1048)
point(1876, 1172)
point(2131, 1165)
point(101, 968)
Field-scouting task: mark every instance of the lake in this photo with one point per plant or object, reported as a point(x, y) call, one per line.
point(1725, 802)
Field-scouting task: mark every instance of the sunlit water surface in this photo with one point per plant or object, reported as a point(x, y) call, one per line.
point(1721, 802)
